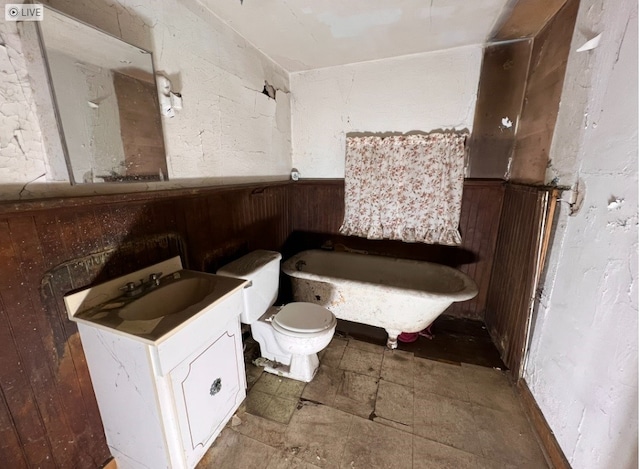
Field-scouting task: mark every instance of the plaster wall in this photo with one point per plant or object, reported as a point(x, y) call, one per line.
point(582, 366)
point(420, 92)
point(75, 85)
point(228, 130)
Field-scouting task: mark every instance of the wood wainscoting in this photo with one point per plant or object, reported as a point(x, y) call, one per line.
point(317, 211)
point(525, 228)
point(48, 413)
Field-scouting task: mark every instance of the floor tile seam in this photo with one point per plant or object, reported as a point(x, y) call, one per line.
point(377, 371)
point(373, 414)
point(507, 413)
point(408, 432)
point(346, 441)
point(403, 384)
point(413, 393)
point(479, 454)
point(396, 382)
point(450, 446)
point(484, 447)
point(341, 356)
point(480, 444)
point(358, 373)
point(439, 395)
point(256, 440)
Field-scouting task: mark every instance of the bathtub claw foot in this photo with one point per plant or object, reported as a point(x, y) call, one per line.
point(392, 340)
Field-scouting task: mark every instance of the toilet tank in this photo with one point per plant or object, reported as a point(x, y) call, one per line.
point(262, 268)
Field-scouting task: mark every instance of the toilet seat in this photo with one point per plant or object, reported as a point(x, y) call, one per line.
point(301, 319)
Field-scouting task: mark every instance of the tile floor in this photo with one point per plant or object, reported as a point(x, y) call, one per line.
point(370, 407)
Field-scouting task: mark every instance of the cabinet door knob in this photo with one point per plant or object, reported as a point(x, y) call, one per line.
point(216, 386)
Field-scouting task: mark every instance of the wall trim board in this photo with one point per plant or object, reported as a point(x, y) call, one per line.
point(110, 464)
point(19, 207)
point(519, 256)
point(550, 447)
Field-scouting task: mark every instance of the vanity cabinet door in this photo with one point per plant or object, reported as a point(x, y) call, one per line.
point(208, 387)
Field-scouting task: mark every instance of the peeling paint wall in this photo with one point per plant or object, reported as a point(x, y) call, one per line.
point(583, 363)
point(227, 131)
point(421, 92)
point(21, 148)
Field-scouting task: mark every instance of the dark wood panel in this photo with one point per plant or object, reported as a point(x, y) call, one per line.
point(317, 206)
point(48, 248)
point(18, 374)
point(48, 413)
point(500, 94)
point(545, 79)
point(480, 214)
point(140, 126)
point(525, 18)
point(23, 443)
point(52, 400)
point(516, 267)
point(479, 235)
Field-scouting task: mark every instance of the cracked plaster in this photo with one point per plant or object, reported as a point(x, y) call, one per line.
point(225, 132)
point(422, 92)
point(582, 366)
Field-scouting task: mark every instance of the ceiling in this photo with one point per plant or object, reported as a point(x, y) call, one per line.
point(309, 34)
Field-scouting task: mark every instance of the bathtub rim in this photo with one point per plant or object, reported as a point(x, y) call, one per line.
point(468, 292)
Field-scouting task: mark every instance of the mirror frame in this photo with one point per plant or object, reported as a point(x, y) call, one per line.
point(54, 100)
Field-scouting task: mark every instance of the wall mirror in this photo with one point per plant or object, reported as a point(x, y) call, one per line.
point(106, 99)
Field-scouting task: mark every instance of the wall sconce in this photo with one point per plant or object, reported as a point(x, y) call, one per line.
point(170, 102)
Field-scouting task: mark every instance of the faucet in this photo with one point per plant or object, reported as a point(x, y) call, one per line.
point(154, 280)
point(131, 289)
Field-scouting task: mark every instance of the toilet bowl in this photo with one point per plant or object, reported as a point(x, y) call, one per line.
point(289, 336)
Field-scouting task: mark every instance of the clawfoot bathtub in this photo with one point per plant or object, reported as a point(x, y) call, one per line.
point(398, 295)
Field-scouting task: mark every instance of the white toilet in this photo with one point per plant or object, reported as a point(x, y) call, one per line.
point(290, 336)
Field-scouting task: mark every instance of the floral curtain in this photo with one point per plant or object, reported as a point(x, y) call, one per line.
point(405, 187)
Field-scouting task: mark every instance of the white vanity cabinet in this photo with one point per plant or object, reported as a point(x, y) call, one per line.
point(207, 389)
point(163, 402)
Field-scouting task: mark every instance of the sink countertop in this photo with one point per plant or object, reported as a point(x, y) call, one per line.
point(154, 330)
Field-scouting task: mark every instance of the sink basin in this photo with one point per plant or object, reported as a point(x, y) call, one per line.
point(182, 297)
point(170, 298)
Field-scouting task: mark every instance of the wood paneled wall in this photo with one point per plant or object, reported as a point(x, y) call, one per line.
point(518, 257)
point(140, 127)
point(48, 413)
point(317, 211)
point(522, 75)
point(500, 94)
point(549, 57)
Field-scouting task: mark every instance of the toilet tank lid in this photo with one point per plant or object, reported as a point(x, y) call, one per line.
point(304, 317)
point(249, 263)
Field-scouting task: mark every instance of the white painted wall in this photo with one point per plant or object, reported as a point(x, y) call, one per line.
point(92, 134)
point(421, 92)
point(583, 363)
point(21, 146)
point(227, 132)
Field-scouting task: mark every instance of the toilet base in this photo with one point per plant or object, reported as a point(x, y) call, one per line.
point(276, 349)
point(302, 368)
